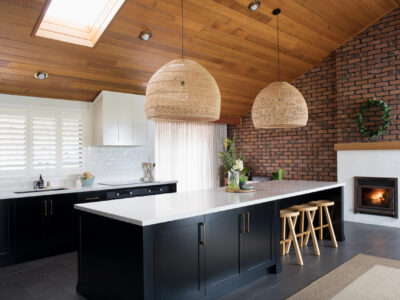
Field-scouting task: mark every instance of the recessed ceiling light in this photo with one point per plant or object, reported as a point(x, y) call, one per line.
point(145, 35)
point(254, 5)
point(41, 75)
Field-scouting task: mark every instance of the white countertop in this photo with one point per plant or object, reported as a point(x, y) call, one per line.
point(95, 187)
point(149, 210)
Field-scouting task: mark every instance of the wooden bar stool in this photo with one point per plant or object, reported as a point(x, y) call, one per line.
point(309, 211)
point(291, 217)
point(323, 208)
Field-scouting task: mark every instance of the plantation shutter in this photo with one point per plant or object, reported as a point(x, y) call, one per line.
point(44, 143)
point(13, 142)
point(72, 143)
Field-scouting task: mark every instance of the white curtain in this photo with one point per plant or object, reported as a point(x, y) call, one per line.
point(187, 152)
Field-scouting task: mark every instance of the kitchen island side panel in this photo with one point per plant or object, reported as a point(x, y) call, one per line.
point(115, 259)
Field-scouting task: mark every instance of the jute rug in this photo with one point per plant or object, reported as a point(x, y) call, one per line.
point(363, 277)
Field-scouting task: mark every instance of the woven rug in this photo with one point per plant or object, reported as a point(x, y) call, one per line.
point(363, 277)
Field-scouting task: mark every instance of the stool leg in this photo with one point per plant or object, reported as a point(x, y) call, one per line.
point(330, 226)
point(313, 236)
point(321, 231)
point(291, 236)
point(295, 243)
point(301, 228)
point(309, 228)
point(283, 236)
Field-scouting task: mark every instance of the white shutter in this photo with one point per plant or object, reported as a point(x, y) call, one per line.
point(12, 142)
point(44, 143)
point(72, 143)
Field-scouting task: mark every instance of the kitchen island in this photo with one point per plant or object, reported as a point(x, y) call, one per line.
point(188, 245)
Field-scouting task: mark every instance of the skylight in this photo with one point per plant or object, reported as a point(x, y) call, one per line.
point(80, 22)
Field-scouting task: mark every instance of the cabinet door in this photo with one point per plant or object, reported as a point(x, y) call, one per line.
point(223, 248)
point(6, 232)
point(125, 120)
point(30, 223)
point(257, 246)
point(110, 110)
point(140, 123)
point(179, 259)
point(60, 228)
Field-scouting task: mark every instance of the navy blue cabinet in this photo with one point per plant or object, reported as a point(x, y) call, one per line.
point(224, 237)
point(208, 254)
point(179, 259)
point(44, 226)
point(7, 210)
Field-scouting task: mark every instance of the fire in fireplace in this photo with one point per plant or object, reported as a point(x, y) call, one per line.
point(376, 195)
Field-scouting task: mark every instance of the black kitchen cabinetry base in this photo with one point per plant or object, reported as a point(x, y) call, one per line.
point(195, 258)
point(7, 228)
point(41, 226)
point(201, 257)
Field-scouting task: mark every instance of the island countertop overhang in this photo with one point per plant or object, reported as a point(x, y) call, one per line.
point(151, 210)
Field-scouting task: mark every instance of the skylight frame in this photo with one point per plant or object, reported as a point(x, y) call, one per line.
point(65, 31)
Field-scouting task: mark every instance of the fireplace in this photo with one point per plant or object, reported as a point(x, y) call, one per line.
point(375, 195)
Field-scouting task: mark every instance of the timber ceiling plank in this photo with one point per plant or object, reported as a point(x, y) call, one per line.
point(237, 46)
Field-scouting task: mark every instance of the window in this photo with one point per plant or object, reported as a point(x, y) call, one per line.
point(44, 143)
point(12, 143)
point(72, 143)
point(49, 143)
point(76, 21)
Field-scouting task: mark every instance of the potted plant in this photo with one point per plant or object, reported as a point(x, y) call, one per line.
point(232, 164)
point(278, 175)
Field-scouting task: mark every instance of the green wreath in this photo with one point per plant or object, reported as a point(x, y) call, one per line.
point(385, 118)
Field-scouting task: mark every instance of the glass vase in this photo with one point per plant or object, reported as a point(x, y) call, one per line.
point(233, 180)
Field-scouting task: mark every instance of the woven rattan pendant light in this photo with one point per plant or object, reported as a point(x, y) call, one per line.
point(182, 90)
point(280, 104)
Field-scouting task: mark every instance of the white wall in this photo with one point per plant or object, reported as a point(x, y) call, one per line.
point(104, 162)
point(371, 163)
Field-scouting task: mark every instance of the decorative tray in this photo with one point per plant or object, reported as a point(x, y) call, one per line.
point(239, 191)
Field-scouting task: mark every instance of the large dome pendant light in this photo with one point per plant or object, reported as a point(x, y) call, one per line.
point(182, 90)
point(280, 104)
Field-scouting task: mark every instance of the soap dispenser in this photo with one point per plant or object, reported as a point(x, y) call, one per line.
point(41, 182)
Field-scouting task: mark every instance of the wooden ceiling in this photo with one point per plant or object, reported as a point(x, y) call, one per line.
point(237, 46)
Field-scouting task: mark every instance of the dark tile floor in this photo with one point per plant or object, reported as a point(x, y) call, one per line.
point(55, 277)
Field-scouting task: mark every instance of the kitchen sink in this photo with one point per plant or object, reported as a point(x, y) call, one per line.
point(41, 190)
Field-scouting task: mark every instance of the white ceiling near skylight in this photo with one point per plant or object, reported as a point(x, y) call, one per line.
point(77, 21)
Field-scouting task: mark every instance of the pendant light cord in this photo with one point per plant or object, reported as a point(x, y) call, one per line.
point(182, 27)
point(277, 42)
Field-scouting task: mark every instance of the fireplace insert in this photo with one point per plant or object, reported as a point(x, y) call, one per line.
point(375, 195)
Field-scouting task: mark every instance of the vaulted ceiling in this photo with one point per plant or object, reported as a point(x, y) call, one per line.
point(237, 46)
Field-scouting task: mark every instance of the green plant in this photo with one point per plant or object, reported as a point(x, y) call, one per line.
point(243, 179)
point(371, 134)
point(228, 155)
point(278, 175)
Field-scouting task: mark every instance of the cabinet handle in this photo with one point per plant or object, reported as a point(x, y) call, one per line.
point(51, 207)
point(242, 223)
point(92, 198)
point(248, 222)
point(45, 208)
point(117, 194)
point(130, 193)
point(203, 239)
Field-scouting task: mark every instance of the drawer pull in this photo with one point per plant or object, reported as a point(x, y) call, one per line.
point(92, 198)
point(45, 208)
point(203, 238)
point(117, 194)
point(130, 193)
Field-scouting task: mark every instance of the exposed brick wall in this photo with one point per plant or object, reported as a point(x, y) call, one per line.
point(365, 67)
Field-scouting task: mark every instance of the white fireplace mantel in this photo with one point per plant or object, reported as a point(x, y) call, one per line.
point(370, 161)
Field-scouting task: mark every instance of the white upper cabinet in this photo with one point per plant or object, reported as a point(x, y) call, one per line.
point(120, 120)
